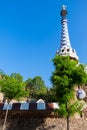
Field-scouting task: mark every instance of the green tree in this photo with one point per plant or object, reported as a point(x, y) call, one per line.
point(17, 76)
point(39, 85)
point(29, 88)
point(29, 84)
point(67, 74)
point(36, 87)
point(11, 88)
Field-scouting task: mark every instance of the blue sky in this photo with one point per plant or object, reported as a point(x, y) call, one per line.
point(30, 32)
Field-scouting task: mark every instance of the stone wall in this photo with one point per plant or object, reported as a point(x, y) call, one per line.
point(40, 121)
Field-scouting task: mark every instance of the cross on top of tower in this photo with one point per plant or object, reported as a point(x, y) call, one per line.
point(65, 46)
point(64, 7)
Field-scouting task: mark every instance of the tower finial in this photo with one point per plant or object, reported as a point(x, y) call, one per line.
point(63, 11)
point(64, 7)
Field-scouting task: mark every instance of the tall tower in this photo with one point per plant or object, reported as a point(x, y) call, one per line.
point(65, 46)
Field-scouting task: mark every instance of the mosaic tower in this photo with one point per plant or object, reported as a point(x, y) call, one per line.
point(65, 46)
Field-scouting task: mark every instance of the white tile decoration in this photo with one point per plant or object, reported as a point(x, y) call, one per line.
point(56, 105)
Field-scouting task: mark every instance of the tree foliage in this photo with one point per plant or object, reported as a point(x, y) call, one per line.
point(67, 74)
point(17, 76)
point(36, 87)
point(11, 88)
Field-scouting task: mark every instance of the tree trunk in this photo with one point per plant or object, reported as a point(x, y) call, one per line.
point(67, 122)
point(4, 125)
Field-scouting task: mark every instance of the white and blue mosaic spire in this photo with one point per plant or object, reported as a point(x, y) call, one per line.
point(65, 46)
